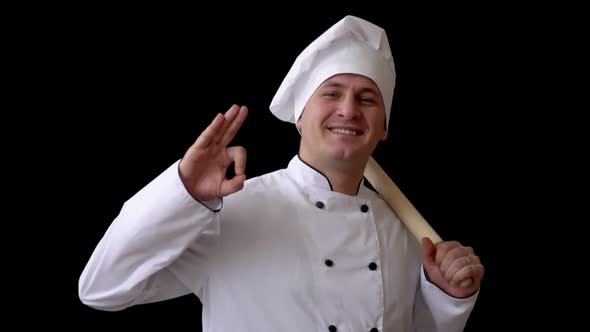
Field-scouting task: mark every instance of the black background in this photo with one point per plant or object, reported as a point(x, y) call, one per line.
point(120, 93)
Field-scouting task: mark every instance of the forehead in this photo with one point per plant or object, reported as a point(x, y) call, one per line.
point(351, 81)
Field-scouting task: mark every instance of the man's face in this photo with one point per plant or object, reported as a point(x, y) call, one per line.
point(343, 120)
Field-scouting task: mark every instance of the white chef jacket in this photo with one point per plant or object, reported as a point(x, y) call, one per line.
point(286, 253)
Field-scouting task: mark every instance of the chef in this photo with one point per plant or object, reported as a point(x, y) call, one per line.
point(304, 248)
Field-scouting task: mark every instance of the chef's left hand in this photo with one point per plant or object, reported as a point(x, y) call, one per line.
point(447, 264)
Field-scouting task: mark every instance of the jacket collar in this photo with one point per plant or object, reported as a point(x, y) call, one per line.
point(305, 175)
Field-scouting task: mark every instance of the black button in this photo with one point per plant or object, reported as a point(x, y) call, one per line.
point(374, 329)
point(329, 262)
point(319, 205)
point(373, 266)
point(364, 208)
point(333, 328)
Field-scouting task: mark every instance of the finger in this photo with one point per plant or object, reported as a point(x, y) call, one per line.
point(209, 133)
point(238, 155)
point(455, 266)
point(229, 116)
point(451, 256)
point(474, 272)
point(474, 259)
point(459, 263)
point(443, 248)
point(235, 125)
point(229, 187)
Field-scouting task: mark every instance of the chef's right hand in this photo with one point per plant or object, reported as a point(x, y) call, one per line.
point(203, 167)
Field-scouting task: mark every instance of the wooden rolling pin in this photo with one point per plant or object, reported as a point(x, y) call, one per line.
point(401, 206)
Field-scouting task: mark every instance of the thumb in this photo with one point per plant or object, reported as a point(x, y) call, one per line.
point(428, 252)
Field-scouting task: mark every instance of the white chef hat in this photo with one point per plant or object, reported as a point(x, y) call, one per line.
point(352, 46)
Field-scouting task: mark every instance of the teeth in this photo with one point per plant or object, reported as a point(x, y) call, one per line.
point(343, 131)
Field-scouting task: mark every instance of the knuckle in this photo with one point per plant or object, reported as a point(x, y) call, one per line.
point(444, 246)
point(454, 243)
point(456, 253)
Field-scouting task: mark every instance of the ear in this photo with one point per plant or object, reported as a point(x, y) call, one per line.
point(384, 135)
point(298, 125)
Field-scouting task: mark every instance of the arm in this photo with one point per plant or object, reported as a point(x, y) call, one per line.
point(150, 252)
point(441, 303)
point(130, 264)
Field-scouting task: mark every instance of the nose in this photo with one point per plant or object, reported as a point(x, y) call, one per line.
point(348, 108)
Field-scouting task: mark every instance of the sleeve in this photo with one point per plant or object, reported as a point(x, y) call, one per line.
point(149, 252)
point(435, 310)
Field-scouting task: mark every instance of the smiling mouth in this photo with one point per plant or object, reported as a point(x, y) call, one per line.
point(344, 131)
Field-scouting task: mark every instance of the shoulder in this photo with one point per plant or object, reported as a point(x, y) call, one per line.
point(268, 181)
point(368, 192)
point(258, 191)
point(273, 186)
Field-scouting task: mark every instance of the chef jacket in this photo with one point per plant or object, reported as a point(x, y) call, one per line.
point(286, 253)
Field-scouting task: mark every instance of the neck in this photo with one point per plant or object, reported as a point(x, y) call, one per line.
point(344, 176)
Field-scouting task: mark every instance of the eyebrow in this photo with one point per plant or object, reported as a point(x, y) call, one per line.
point(340, 85)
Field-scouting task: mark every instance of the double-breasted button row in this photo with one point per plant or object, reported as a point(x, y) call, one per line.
point(372, 266)
point(321, 205)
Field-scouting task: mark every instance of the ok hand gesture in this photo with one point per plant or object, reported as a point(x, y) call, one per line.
point(203, 167)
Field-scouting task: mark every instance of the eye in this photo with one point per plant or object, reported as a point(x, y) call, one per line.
point(367, 100)
point(330, 94)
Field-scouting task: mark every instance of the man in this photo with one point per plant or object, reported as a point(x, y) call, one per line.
point(306, 248)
